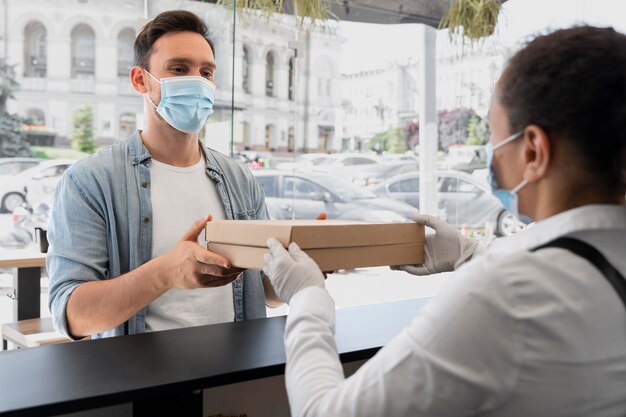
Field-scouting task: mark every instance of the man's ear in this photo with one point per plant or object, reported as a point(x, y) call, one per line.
point(138, 80)
point(537, 153)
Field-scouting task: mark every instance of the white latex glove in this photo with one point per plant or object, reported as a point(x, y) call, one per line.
point(444, 251)
point(290, 271)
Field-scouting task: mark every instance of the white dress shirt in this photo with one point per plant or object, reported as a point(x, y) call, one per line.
point(514, 333)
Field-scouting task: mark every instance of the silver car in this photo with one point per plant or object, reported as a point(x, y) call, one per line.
point(464, 199)
point(304, 195)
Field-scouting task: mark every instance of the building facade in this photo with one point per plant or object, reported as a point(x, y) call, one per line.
point(70, 53)
point(378, 100)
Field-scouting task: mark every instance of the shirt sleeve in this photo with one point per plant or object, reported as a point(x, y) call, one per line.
point(459, 357)
point(76, 254)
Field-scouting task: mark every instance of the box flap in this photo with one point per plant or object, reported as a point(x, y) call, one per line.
point(309, 234)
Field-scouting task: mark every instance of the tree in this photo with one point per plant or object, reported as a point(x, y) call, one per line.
point(392, 140)
point(12, 140)
point(453, 126)
point(82, 136)
point(477, 131)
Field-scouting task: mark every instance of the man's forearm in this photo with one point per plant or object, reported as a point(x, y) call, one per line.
point(97, 306)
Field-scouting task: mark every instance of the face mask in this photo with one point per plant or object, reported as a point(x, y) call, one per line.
point(508, 198)
point(186, 102)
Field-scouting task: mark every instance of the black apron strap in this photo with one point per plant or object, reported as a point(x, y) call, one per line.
point(594, 256)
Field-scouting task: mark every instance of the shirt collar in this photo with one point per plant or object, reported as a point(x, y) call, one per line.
point(590, 217)
point(138, 152)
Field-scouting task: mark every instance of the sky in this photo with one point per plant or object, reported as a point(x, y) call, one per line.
point(518, 19)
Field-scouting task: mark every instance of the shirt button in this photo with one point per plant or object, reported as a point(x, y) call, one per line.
point(144, 184)
point(146, 219)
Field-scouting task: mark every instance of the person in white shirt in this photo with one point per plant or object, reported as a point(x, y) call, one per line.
point(521, 329)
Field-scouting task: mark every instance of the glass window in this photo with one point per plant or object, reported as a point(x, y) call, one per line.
point(405, 186)
point(35, 50)
point(269, 74)
point(83, 52)
point(268, 183)
point(245, 70)
point(10, 168)
point(303, 188)
point(125, 42)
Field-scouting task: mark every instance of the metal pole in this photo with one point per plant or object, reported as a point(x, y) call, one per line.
point(232, 84)
point(428, 134)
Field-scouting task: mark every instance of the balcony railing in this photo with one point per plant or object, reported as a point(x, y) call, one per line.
point(83, 65)
point(33, 83)
point(83, 85)
point(36, 66)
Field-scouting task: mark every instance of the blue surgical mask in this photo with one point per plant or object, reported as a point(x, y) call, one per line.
point(186, 101)
point(508, 198)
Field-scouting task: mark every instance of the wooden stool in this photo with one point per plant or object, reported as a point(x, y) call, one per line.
point(31, 333)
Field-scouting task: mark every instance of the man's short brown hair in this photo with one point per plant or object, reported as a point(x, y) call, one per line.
point(167, 22)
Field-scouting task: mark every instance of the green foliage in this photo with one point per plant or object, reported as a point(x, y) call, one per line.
point(53, 152)
point(392, 140)
point(474, 19)
point(82, 136)
point(477, 131)
point(309, 13)
point(12, 140)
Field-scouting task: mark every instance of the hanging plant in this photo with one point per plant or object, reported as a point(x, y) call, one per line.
point(475, 19)
point(310, 13)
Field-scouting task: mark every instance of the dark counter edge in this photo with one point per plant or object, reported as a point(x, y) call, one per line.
point(123, 397)
point(145, 393)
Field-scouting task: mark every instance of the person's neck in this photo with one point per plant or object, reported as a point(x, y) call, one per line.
point(172, 147)
point(557, 199)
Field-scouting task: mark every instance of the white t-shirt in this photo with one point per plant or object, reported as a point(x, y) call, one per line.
point(514, 333)
point(180, 196)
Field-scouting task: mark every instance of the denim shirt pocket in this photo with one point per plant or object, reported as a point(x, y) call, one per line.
point(246, 215)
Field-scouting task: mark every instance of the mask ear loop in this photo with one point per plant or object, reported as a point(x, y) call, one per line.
point(507, 140)
point(146, 94)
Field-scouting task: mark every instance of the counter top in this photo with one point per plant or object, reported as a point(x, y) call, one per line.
point(83, 375)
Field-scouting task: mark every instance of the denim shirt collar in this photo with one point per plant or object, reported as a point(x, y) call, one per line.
point(138, 152)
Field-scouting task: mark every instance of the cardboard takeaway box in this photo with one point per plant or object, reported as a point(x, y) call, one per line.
point(333, 244)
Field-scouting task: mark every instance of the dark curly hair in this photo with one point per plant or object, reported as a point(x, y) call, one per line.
point(166, 22)
point(572, 83)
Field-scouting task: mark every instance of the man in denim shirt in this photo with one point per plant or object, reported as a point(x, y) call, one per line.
point(124, 251)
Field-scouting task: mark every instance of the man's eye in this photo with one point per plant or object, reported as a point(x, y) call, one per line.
point(207, 74)
point(178, 69)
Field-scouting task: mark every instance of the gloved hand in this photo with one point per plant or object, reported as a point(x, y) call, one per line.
point(290, 271)
point(443, 251)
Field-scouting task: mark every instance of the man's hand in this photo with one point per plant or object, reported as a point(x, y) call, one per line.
point(290, 271)
point(443, 251)
point(189, 265)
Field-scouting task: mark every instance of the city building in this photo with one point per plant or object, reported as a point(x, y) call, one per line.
point(67, 57)
point(378, 100)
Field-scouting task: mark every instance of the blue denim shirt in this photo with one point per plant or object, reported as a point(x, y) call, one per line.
point(101, 225)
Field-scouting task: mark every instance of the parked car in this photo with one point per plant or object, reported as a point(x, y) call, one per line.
point(465, 158)
point(46, 173)
point(13, 166)
point(304, 195)
point(464, 199)
point(304, 160)
point(372, 174)
point(340, 160)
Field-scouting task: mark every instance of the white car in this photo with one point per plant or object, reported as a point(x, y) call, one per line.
point(42, 179)
point(305, 160)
